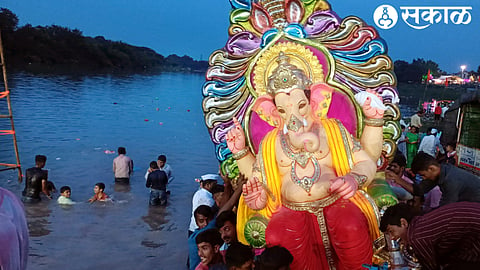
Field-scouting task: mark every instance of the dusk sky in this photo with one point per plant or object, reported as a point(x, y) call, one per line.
point(197, 28)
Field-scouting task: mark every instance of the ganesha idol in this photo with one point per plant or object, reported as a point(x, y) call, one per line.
point(301, 103)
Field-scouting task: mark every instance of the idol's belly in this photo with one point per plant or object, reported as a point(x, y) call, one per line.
point(294, 190)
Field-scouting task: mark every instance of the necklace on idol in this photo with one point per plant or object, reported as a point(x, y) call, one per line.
point(302, 158)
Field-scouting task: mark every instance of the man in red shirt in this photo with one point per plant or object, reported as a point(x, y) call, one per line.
point(438, 113)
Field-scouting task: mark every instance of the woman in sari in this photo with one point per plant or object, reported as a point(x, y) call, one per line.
point(412, 144)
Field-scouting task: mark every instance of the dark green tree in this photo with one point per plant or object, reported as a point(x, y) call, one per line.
point(8, 21)
point(413, 72)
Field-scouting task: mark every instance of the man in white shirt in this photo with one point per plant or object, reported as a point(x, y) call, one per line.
point(203, 196)
point(444, 110)
point(430, 143)
point(122, 166)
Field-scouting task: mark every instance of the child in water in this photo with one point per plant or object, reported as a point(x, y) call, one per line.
point(99, 194)
point(65, 193)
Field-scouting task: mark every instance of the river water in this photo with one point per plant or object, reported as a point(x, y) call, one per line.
point(73, 120)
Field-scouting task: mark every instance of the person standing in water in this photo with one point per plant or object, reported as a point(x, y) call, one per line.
point(36, 181)
point(122, 167)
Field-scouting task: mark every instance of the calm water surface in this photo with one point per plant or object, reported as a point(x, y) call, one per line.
point(73, 120)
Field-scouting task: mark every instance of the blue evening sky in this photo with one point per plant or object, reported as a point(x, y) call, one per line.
point(197, 28)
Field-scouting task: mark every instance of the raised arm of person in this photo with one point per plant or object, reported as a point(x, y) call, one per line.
point(235, 196)
point(399, 180)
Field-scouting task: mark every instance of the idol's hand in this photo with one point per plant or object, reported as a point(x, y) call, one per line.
point(345, 186)
point(236, 137)
point(254, 194)
point(373, 106)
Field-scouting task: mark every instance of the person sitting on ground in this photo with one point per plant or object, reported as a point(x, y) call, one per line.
point(239, 257)
point(65, 193)
point(446, 238)
point(430, 143)
point(157, 182)
point(36, 181)
point(455, 184)
point(394, 171)
point(122, 167)
point(226, 224)
point(208, 244)
point(99, 195)
point(274, 258)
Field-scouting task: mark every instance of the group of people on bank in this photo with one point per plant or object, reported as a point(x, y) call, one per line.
point(412, 141)
point(157, 177)
point(438, 217)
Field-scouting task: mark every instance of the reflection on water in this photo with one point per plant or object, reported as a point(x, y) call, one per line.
point(117, 187)
point(74, 121)
point(37, 218)
point(156, 217)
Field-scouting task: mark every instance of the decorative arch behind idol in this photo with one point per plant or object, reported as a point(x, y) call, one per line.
point(346, 54)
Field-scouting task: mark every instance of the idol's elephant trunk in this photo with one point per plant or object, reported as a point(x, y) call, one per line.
point(13, 232)
point(308, 141)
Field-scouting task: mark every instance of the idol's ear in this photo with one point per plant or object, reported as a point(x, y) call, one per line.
point(260, 19)
point(266, 110)
point(320, 99)
point(294, 11)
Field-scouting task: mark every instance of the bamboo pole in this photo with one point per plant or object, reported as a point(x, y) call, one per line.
point(4, 71)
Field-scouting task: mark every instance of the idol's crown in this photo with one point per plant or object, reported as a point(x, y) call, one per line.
point(286, 77)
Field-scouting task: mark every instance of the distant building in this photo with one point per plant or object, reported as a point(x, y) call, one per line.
point(451, 79)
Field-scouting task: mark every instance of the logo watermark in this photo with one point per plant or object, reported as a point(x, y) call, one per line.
point(385, 16)
point(421, 17)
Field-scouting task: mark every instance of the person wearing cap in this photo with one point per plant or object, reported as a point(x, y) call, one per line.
point(203, 196)
point(430, 143)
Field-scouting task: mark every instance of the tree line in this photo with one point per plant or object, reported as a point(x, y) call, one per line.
point(56, 46)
